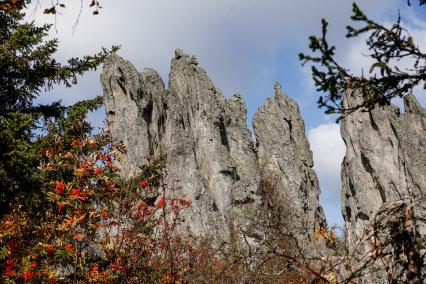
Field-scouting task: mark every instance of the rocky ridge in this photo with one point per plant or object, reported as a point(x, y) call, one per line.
point(383, 179)
point(211, 156)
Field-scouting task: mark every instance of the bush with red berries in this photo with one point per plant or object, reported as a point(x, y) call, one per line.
point(93, 226)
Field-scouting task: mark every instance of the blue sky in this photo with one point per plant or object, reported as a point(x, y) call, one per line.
point(244, 45)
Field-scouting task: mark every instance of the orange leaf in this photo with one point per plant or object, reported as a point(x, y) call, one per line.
point(79, 236)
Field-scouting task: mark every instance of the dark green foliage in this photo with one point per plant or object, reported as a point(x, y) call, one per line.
point(76, 115)
point(421, 2)
point(18, 158)
point(385, 80)
point(27, 67)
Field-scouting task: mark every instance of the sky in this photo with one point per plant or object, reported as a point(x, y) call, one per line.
point(244, 45)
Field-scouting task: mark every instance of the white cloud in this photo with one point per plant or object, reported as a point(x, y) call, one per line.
point(328, 150)
point(232, 39)
point(328, 147)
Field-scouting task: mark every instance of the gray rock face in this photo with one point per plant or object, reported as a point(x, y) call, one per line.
point(385, 162)
point(135, 108)
point(211, 157)
point(284, 155)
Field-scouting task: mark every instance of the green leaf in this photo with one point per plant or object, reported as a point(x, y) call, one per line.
point(4, 253)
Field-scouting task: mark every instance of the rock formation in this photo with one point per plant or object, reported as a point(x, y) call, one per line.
point(384, 167)
point(234, 183)
point(284, 155)
point(211, 157)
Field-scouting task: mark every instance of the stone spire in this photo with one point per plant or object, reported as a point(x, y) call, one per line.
point(211, 157)
point(385, 163)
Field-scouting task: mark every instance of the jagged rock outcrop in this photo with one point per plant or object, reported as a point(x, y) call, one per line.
point(383, 171)
point(211, 156)
point(285, 157)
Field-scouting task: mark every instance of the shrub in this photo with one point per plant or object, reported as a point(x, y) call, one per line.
point(94, 226)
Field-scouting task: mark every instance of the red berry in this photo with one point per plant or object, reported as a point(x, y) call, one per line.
point(60, 188)
point(50, 250)
point(144, 184)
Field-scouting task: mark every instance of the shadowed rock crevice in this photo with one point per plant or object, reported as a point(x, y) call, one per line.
point(211, 156)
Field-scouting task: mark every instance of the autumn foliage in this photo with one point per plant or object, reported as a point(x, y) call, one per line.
point(95, 227)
